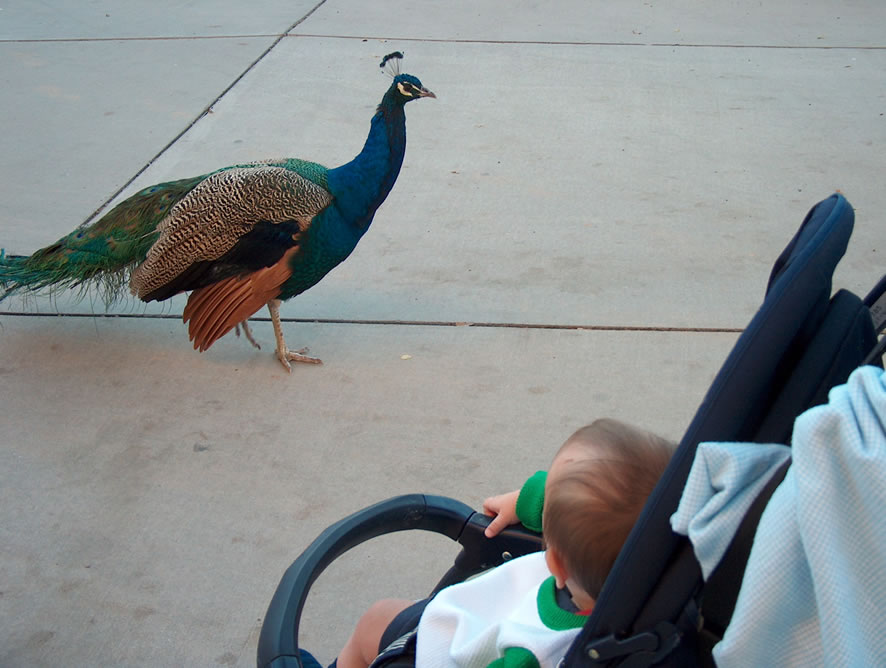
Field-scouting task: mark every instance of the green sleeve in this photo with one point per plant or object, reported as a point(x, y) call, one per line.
point(515, 657)
point(532, 500)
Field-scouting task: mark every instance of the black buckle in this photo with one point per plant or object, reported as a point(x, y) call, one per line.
point(641, 649)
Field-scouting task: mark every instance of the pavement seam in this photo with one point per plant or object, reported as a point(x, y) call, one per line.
point(405, 323)
point(522, 42)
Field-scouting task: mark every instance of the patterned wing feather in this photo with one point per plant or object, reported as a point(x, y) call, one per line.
point(209, 221)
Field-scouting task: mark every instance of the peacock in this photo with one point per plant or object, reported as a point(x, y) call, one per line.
point(239, 238)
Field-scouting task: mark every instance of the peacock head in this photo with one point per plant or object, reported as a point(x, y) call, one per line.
point(405, 87)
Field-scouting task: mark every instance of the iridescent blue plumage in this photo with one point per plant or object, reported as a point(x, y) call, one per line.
point(238, 238)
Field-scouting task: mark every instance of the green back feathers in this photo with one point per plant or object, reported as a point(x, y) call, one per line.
point(312, 171)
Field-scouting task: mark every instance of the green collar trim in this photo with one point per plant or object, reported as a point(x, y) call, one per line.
point(551, 614)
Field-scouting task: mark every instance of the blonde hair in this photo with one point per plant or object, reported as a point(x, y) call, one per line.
point(590, 507)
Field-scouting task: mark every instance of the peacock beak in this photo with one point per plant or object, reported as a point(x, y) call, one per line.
point(426, 93)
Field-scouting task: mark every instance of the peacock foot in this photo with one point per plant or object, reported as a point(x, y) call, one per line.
point(247, 333)
point(286, 356)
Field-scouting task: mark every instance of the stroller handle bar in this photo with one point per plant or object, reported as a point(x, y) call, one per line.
point(278, 641)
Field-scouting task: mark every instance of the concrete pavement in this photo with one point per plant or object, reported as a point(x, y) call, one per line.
point(603, 189)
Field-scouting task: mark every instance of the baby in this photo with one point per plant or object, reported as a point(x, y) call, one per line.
point(530, 609)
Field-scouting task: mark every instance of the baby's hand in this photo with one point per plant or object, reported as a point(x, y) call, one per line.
point(504, 509)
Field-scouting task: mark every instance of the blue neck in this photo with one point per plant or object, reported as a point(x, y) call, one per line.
point(360, 186)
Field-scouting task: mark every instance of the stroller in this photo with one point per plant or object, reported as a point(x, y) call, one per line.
point(800, 344)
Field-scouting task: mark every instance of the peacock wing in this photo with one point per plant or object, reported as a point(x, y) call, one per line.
point(215, 215)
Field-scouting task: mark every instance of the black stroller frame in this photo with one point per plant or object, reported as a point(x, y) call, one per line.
point(800, 344)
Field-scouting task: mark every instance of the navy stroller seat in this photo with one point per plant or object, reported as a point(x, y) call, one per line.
point(801, 343)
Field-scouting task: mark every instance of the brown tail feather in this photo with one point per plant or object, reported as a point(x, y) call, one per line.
point(216, 309)
point(237, 309)
point(211, 308)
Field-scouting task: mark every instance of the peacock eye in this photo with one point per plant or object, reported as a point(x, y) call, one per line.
point(406, 89)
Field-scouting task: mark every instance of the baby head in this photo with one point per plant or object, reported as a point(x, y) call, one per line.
point(596, 487)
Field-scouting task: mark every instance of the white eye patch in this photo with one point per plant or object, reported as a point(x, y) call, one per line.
point(404, 91)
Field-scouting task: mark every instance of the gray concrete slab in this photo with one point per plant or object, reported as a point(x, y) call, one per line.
point(91, 114)
point(605, 165)
point(779, 23)
point(151, 497)
point(89, 80)
point(128, 19)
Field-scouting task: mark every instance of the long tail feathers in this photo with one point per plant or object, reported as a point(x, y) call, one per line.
point(101, 254)
point(62, 265)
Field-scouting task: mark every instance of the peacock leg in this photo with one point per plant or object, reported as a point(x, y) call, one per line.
point(247, 333)
point(284, 354)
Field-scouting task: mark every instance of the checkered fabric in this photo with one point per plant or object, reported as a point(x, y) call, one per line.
point(814, 592)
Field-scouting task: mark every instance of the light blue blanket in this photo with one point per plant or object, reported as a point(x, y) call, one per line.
point(814, 592)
